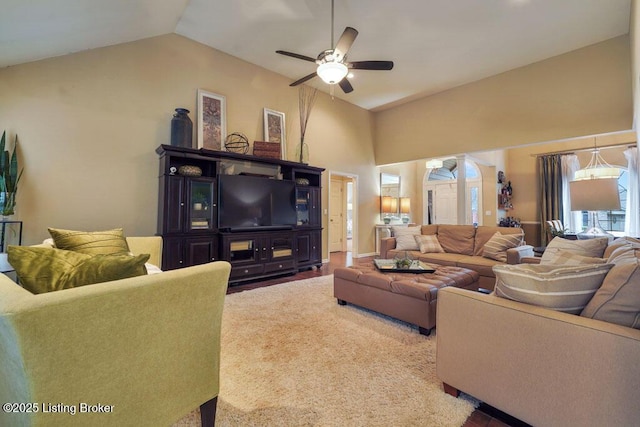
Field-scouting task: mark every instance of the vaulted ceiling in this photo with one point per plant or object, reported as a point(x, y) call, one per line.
point(435, 44)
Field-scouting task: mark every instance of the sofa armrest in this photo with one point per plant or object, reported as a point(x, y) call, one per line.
point(530, 260)
point(386, 244)
point(538, 365)
point(121, 343)
point(515, 255)
point(151, 245)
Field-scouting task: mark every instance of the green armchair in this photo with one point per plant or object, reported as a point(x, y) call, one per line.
point(143, 351)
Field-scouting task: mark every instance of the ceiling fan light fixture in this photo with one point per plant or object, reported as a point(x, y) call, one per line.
point(332, 72)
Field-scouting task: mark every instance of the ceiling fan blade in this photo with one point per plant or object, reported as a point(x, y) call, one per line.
point(345, 85)
point(344, 43)
point(304, 79)
point(296, 55)
point(370, 65)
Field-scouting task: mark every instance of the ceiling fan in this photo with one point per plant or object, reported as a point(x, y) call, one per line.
point(333, 66)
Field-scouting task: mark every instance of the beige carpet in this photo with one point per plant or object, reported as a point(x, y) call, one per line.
point(291, 356)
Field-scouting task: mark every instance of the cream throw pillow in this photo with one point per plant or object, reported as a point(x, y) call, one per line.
point(405, 240)
point(590, 248)
point(566, 289)
point(428, 243)
point(496, 247)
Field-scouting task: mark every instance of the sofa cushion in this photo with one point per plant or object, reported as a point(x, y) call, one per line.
point(457, 238)
point(440, 258)
point(46, 269)
point(429, 229)
point(485, 232)
point(618, 299)
point(590, 247)
point(428, 243)
point(496, 247)
point(91, 242)
point(566, 288)
point(563, 257)
point(484, 266)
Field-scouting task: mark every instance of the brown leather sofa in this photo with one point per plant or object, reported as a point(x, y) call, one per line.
point(463, 246)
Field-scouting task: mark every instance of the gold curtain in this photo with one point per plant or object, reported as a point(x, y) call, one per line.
point(550, 175)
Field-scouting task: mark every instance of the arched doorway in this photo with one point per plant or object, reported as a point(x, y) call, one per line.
point(440, 193)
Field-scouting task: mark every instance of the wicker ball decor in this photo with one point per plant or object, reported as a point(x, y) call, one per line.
point(189, 170)
point(237, 142)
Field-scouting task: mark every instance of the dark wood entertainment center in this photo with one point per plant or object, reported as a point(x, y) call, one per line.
point(190, 212)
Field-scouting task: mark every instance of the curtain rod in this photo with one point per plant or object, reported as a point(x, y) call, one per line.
point(579, 150)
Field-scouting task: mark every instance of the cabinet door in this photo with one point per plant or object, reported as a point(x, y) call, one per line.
point(315, 252)
point(200, 250)
point(308, 206)
point(281, 247)
point(315, 208)
point(241, 249)
point(200, 204)
point(173, 204)
point(172, 253)
point(303, 247)
point(302, 205)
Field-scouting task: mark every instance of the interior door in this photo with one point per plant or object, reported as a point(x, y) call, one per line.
point(337, 238)
point(445, 203)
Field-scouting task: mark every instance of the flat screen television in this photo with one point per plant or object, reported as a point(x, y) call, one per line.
point(248, 202)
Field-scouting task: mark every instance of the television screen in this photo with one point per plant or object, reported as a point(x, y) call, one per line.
point(248, 201)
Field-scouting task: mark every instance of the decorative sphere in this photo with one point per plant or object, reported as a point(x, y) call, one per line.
point(237, 142)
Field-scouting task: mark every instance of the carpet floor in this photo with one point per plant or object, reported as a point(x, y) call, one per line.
point(291, 356)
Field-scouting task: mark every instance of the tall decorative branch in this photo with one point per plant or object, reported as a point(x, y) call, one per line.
point(306, 99)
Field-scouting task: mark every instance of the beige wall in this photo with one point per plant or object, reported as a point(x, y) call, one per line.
point(584, 92)
point(89, 124)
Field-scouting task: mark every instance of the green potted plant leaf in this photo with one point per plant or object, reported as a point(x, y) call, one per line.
point(9, 177)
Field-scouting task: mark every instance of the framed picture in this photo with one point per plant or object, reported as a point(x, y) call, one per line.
point(212, 120)
point(274, 129)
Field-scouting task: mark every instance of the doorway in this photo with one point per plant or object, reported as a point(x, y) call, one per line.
point(342, 213)
point(441, 194)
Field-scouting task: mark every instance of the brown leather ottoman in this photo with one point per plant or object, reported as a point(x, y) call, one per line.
point(409, 297)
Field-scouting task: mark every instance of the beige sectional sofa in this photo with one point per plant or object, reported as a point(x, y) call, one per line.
point(463, 246)
point(544, 366)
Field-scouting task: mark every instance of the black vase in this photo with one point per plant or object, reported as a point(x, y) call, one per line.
point(181, 128)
